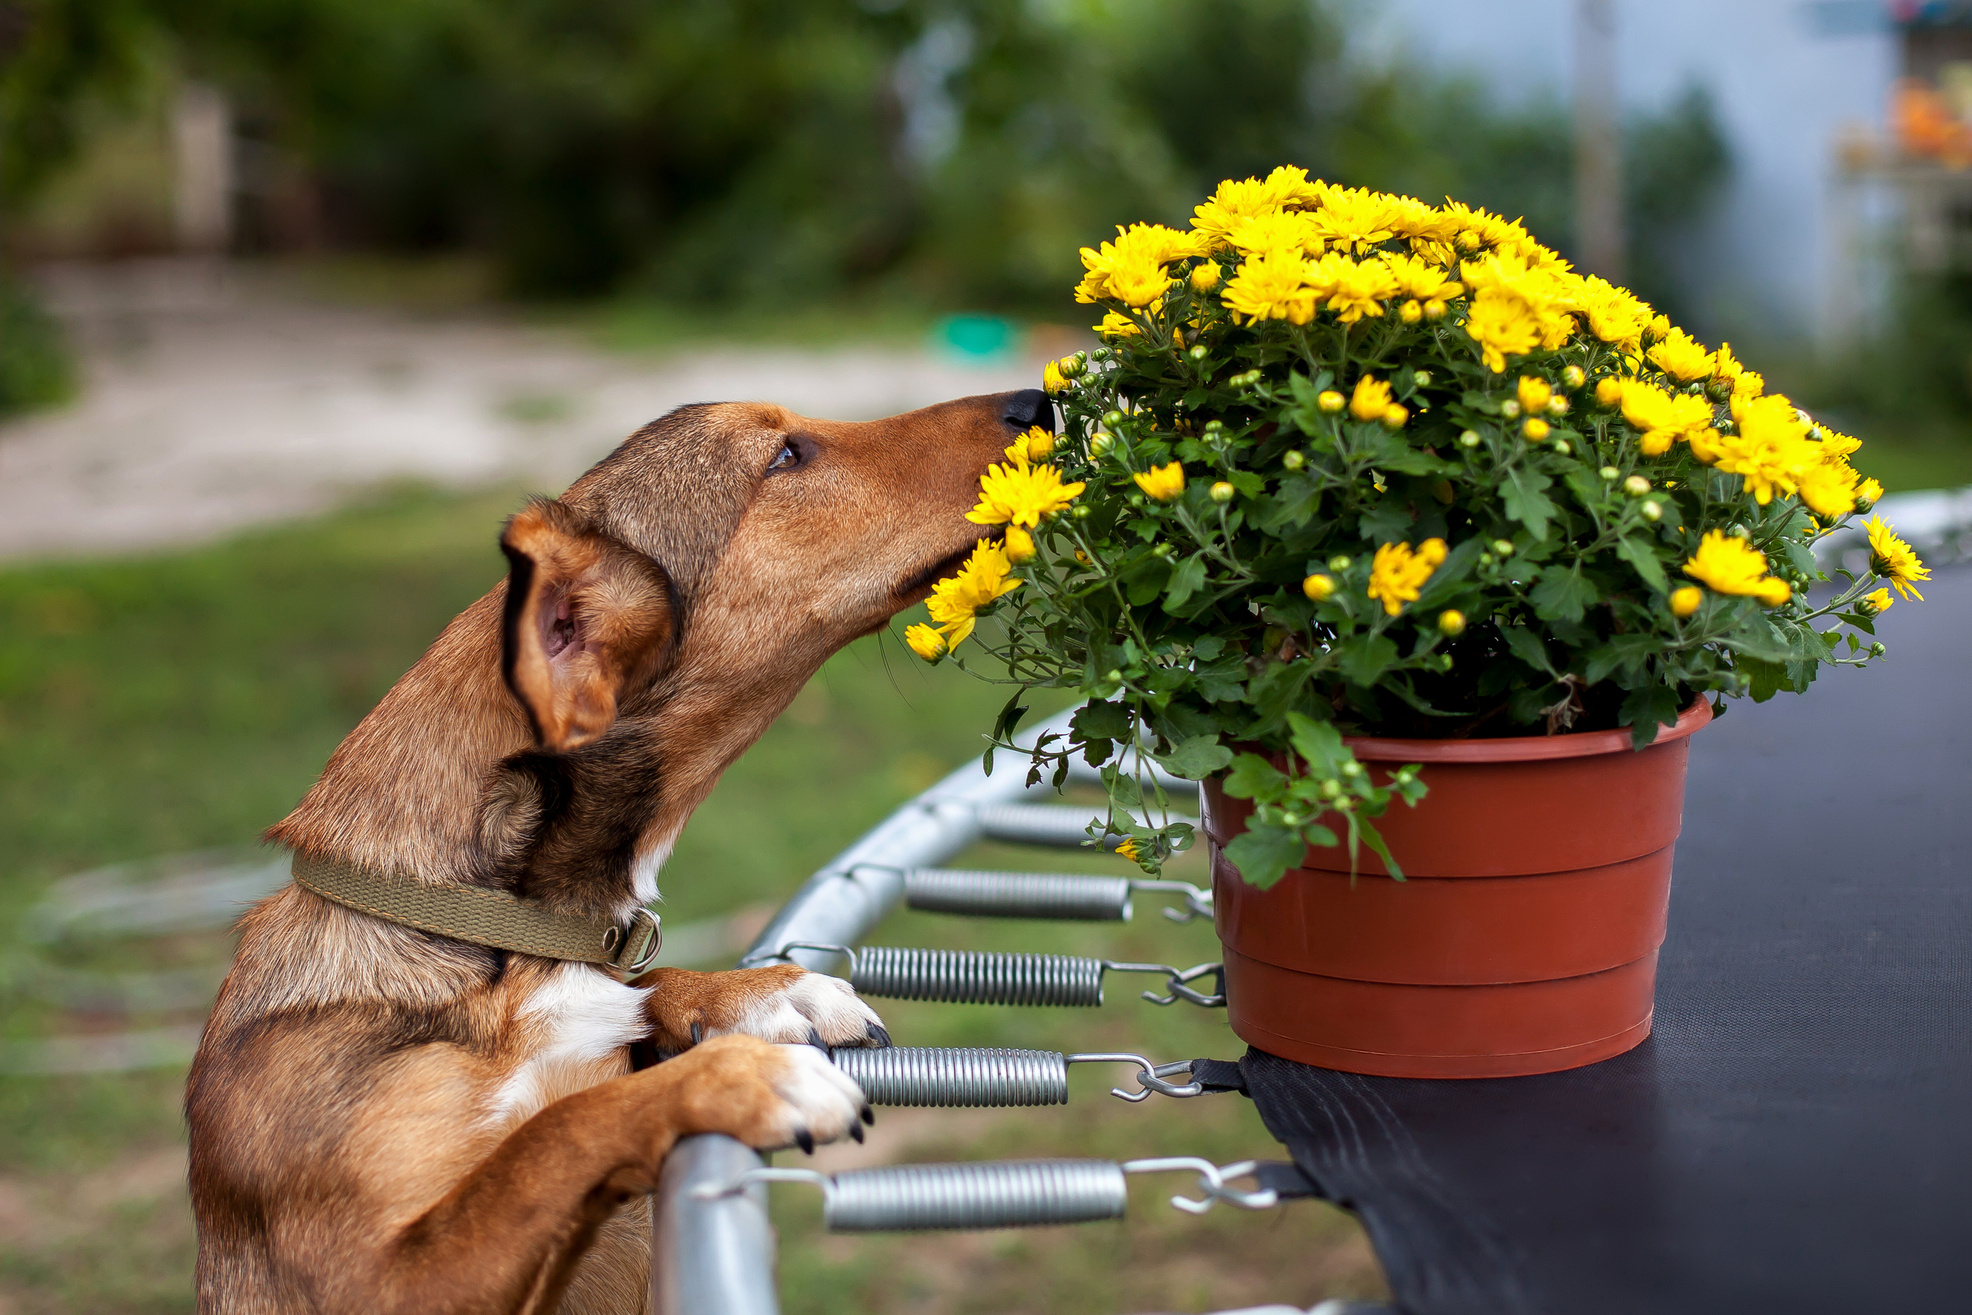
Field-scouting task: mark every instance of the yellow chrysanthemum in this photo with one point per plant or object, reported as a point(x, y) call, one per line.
point(1271, 286)
point(1021, 493)
point(1128, 849)
point(1686, 600)
point(1733, 566)
point(1018, 545)
point(1051, 380)
point(1117, 325)
point(1679, 356)
point(1131, 268)
point(1770, 448)
point(1615, 315)
point(1371, 398)
point(1278, 230)
point(1516, 306)
point(1662, 418)
point(926, 642)
point(1398, 573)
point(1354, 288)
point(1880, 600)
point(1355, 218)
point(1164, 483)
point(1725, 365)
point(1287, 187)
point(1421, 280)
point(955, 602)
point(1503, 326)
point(1869, 491)
point(1895, 560)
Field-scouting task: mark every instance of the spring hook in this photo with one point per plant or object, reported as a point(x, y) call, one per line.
point(991, 1076)
point(996, 977)
point(1180, 991)
point(1058, 895)
point(994, 1193)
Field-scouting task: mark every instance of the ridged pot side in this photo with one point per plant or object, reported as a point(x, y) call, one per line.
point(1524, 939)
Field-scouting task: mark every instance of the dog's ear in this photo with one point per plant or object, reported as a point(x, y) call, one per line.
point(587, 617)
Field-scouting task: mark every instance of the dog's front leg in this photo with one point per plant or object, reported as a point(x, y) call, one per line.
point(782, 1003)
point(507, 1238)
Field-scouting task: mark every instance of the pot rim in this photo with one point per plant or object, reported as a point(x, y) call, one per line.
point(1522, 748)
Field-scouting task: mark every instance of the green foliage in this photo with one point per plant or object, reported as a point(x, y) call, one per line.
point(35, 368)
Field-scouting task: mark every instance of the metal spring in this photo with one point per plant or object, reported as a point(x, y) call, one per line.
point(1018, 894)
point(954, 1076)
point(994, 1194)
point(1059, 895)
point(1061, 825)
point(976, 976)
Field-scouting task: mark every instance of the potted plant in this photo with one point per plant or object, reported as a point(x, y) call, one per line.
point(1365, 501)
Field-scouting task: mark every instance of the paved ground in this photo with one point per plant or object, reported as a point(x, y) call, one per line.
point(214, 402)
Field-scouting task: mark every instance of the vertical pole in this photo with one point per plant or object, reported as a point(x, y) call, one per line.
point(1598, 142)
point(202, 140)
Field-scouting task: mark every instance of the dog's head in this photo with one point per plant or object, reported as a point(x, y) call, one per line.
point(722, 553)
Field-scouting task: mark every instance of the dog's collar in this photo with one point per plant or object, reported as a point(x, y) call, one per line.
point(485, 917)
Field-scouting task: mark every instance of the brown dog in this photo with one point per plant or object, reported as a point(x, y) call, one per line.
point(388, 1120)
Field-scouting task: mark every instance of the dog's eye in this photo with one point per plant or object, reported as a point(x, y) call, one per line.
point(789, 458)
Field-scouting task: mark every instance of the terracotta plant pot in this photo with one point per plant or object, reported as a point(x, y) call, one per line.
point(1523, 940)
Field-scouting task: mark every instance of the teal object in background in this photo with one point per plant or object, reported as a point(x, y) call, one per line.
point(980, 338)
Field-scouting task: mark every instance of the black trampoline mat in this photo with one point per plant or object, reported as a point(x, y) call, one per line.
point(1796, 1136)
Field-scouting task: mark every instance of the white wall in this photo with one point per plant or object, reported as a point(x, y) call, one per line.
point(1784, 75)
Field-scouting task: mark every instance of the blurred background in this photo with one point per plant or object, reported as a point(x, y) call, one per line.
point(297, 297)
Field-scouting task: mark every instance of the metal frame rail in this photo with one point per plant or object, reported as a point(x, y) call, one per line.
point(713, 1253)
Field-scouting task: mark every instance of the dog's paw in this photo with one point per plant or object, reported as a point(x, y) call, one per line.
point(806, 1008)
point(773, 1096)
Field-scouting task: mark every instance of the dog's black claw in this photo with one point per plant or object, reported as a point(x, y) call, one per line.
point(698, 1033)
point(856, 1131)
point(869, 1116)
point(815, 1040)
point(877, 1033)
point(805, 1140)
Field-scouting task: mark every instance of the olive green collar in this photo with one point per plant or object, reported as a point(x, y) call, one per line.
point(485, 917)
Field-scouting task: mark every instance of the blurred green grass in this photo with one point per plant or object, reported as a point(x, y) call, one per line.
point(159, 705)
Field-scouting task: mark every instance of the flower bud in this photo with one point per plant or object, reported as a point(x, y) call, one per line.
point(1073, 367)
point(1018, 545)
point(1533, 393)
point(1535, 429)
point(1487, 559)
point(1411, 311)
point(1435, 309)
point(1470, 438)
point(1561, 448)
point(1504, 547)
point(1199, 352)
point(1451, 621)
point(1608, 393)
point(1205, 277)
point(1100, 443)
point(1293, 458)
point(1113, 419)
point(1510, 408)
point(1331, 401)
point(1331, 789)
point(1557, 405)
point(1652, 510)
point(1685, 601)
point(1222, 492)
point(1739, 532)
point(1081, 511)
point(1317, 587)
point(926, 642)
point(1877, 649)
point(1422, 378)
point(1573, 376)
point(1338, 563)
point(1636, 486)
point(1394, 416)
point(1040, 444)
point(1351, 769)
point(1215, 427)
point(1609, 472)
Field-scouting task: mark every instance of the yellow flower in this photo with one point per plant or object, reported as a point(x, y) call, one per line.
point(1608, 392)
point(1733, 566)
point(1318, 587)
point(1018, 545)
point(1128, 849)
point(1880, 600)
point(1018, 493)
point(1355, 288)
point(1869, 491)
point(1040, 444)
point(1397, 573)
point(1724, 365)
point(1371, 398)
point(955, 601)
point(1421, 280)
point(1536, 429)
point(1451, 621)
point(1503, 326)
point(1051, 380)
point(1615, 315)
point(926, 642)
point(1115, 325)
point(1894, 560)
point(1287, 187)
point(1131, 269)
point(1662, 418)
point(1771, 448)
point(1205, 277)
point(1533, 393)
point(1162, 482)
point(1271, 286)
point(1278, 230)
point(1355, 218)
point(1681, 358)
point(1685, 600)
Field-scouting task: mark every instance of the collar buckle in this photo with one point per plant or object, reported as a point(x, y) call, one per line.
point(636, 945)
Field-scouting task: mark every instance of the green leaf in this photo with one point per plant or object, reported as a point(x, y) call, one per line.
point(1521, 491)
point(1263, 854)
point(1196, 758)
point(1253, 777)
point(1562, 595)
point(1365, 657)
point(1295, 503)
point(1645, 710)
point(1755, 637)
point(1386, 522)
point(1187, 580)
point(1247, 482)
point(1527, 646)
point(1101, 721)
point(1638, 554)
point(1318, 743)
point(1223, 681)
point(1145, 580)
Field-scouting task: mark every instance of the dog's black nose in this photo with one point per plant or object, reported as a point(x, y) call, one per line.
point(1029, 407)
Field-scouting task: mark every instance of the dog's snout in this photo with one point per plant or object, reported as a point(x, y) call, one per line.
point(1027, 408)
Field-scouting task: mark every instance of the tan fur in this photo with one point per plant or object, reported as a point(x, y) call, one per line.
point(385, 1120)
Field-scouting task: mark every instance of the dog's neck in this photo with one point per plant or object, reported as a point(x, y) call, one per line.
point(441, 781)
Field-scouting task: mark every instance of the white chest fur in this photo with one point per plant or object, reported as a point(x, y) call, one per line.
point(578, 1021)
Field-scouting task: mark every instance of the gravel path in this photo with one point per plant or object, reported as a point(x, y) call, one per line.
point(212, 403)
